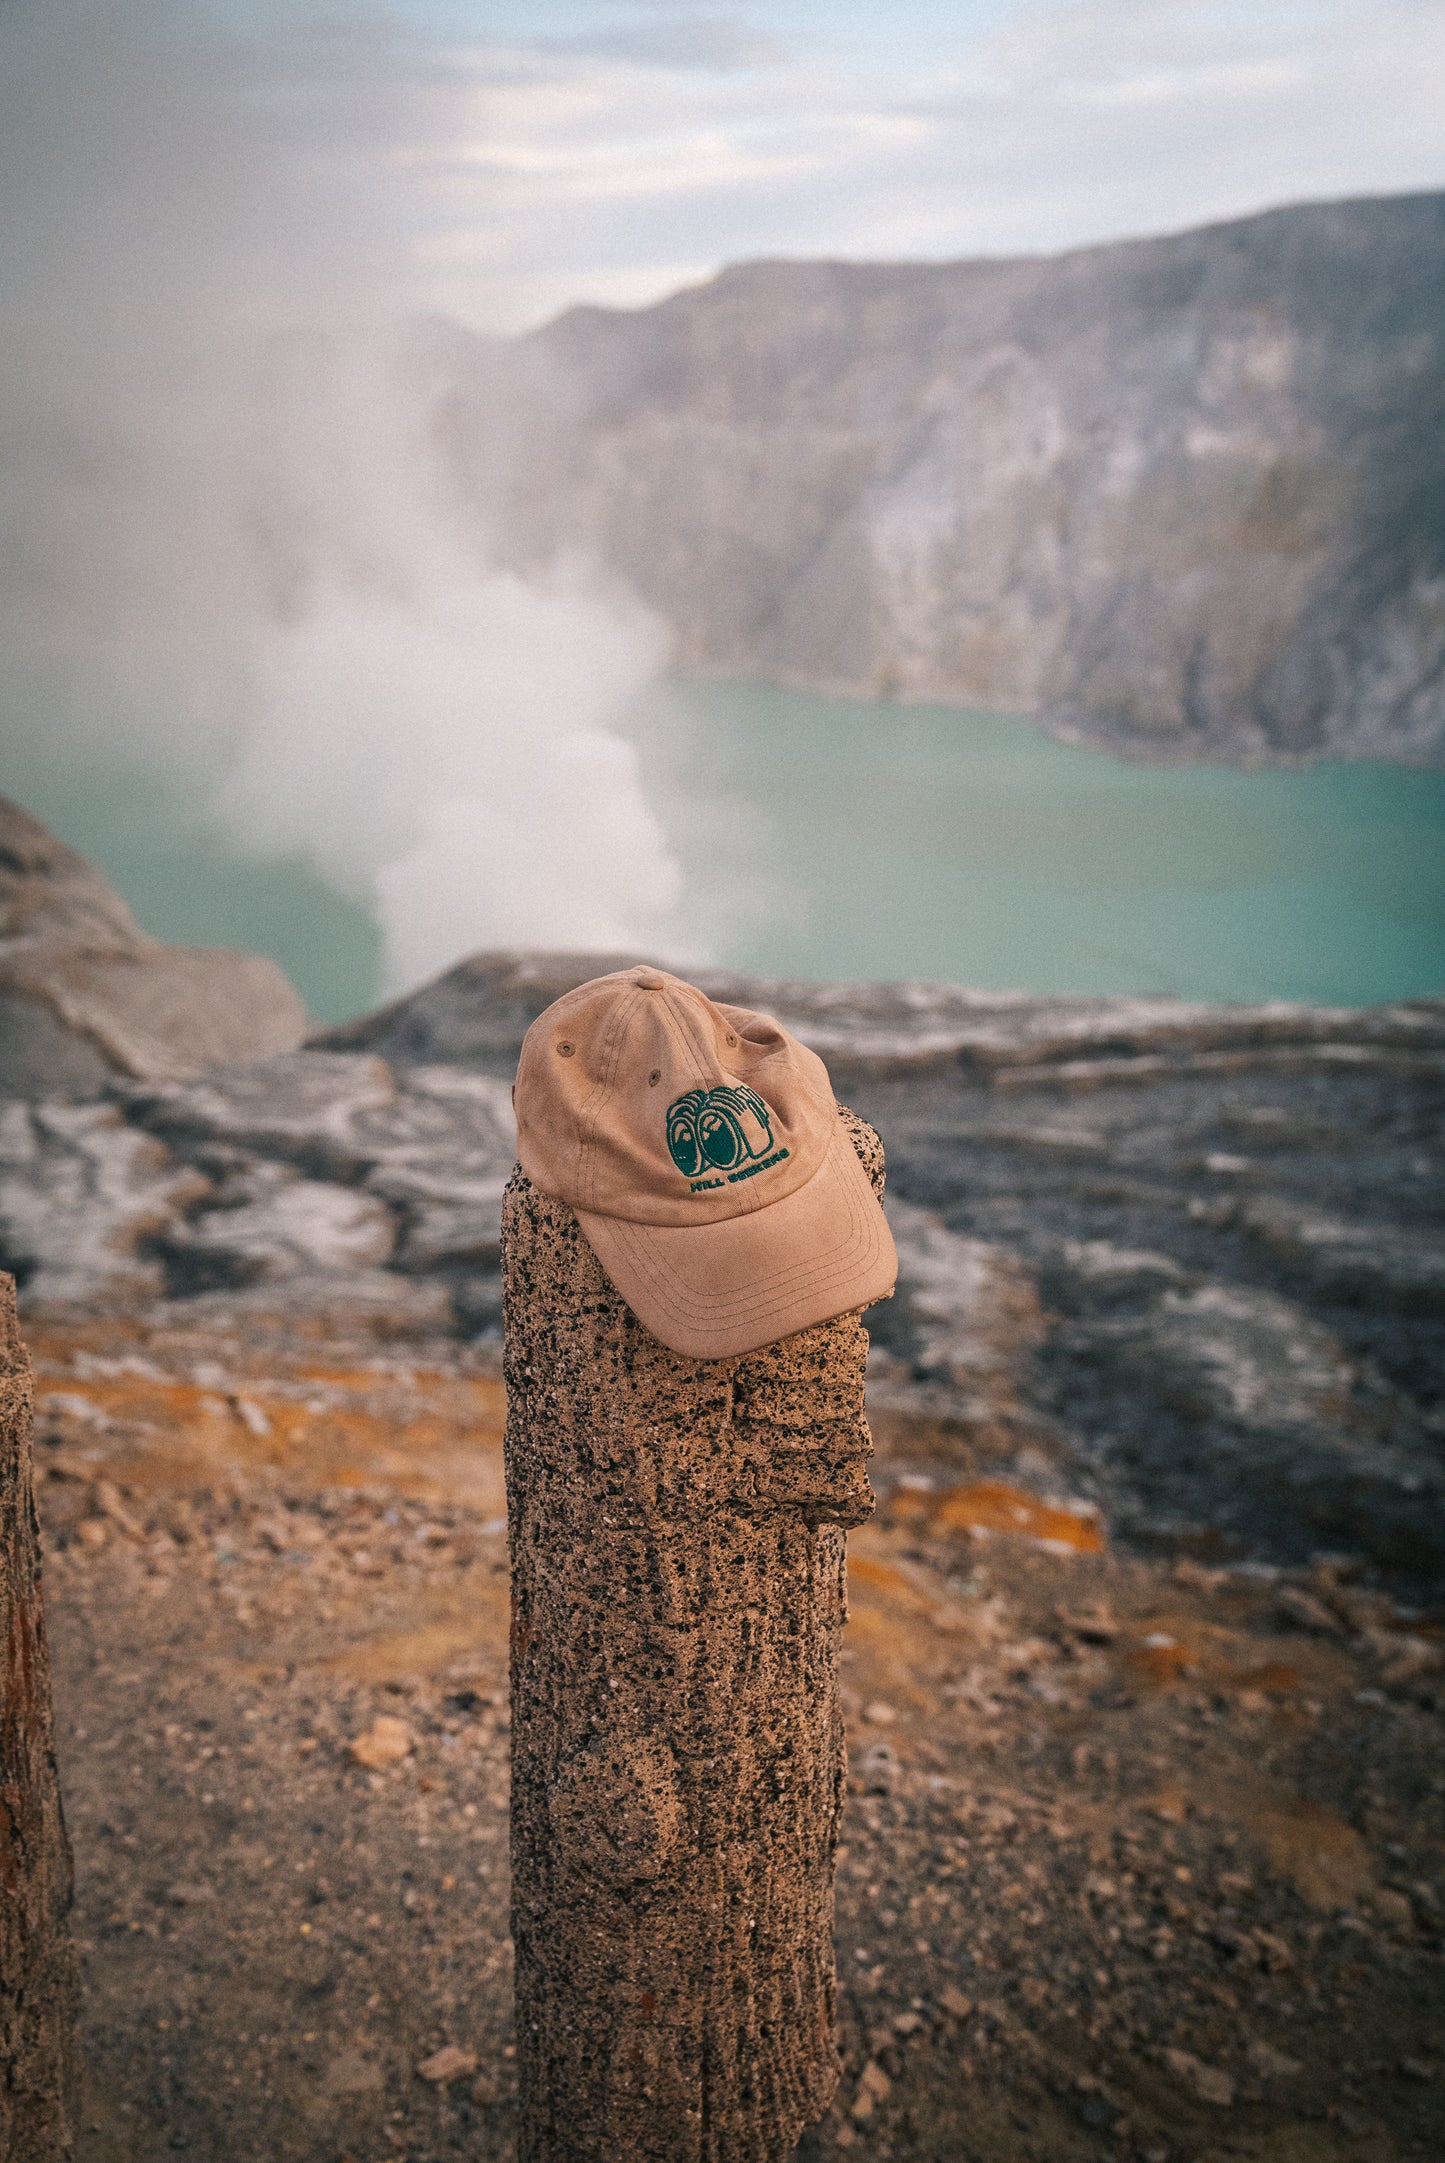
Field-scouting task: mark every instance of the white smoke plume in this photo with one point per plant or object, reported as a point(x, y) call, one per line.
point(230, 539)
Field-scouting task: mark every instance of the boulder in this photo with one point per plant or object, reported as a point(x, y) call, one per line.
point(269, 1223)
point(1232, 1353)
point(85, 1202)
point(964, 1312)
point(51, 898)
point(1399, 1267)
point(1234, 1406)
point(430, 1137)
point(86, 996)
point(312, 1172)
point(1088, 1275)
point(407, 1170)
point(326, 1112)
point(475, 1015)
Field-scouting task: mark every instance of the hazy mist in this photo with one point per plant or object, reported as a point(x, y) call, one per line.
point(230, 547)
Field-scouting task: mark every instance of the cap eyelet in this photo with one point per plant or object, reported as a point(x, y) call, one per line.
point(654, 1077)
point(731, 1038)
point(565, 1051)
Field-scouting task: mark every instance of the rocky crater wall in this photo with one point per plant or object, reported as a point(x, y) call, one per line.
point(1182, 495)
point(86, 996)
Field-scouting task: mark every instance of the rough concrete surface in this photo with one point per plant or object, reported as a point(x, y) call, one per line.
point(677, 1532)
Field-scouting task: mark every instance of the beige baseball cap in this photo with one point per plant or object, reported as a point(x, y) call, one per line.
point(702, 1151)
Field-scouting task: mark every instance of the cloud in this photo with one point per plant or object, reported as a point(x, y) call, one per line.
point(595, 176)
point(716, 43)
point(450, 754)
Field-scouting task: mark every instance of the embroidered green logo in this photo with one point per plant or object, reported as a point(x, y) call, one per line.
point(726, 1130)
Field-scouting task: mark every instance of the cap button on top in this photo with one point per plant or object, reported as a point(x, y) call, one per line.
point(649, 979)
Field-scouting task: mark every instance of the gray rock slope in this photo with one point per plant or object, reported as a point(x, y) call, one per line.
point(1183, 494)
point(313, 1184)
point(1193, 1252)
point(86, 996)
point(1187, 1261)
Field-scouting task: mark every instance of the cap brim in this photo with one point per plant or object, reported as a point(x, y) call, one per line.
point(712, 1291)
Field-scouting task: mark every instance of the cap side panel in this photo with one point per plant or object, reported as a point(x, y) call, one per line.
point(676, 1023)
point(613, 1037)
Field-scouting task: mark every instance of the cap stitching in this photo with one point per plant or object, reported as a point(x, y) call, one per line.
point(781, 1292)
point(797, 1271)
point(783, 1285)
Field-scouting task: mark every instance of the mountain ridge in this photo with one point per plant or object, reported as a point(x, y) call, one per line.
point(909, 266)
point(1184, 495)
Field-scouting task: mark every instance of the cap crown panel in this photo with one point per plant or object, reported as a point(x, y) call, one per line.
point(666, 1108)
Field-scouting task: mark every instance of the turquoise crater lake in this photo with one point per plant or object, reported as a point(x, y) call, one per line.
point(822, 837)
point(829, 838)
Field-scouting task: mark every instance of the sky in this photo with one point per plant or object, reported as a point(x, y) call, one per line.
point(546, 151)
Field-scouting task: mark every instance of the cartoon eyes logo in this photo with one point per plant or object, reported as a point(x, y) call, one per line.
point(716, 1129)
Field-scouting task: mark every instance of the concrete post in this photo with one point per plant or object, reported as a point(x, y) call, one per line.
point(37, 1971)
point(677, 1532)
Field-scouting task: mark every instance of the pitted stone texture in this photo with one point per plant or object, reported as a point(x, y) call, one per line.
point(677, 1534)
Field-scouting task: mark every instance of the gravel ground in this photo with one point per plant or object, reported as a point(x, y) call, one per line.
point(1142, 1860)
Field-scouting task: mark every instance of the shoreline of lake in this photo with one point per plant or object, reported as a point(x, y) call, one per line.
point(994, 853)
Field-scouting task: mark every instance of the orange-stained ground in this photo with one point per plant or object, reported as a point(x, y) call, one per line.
point(1125, 1835)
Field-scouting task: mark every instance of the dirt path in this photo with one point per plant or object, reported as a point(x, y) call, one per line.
point(1143, 1861)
